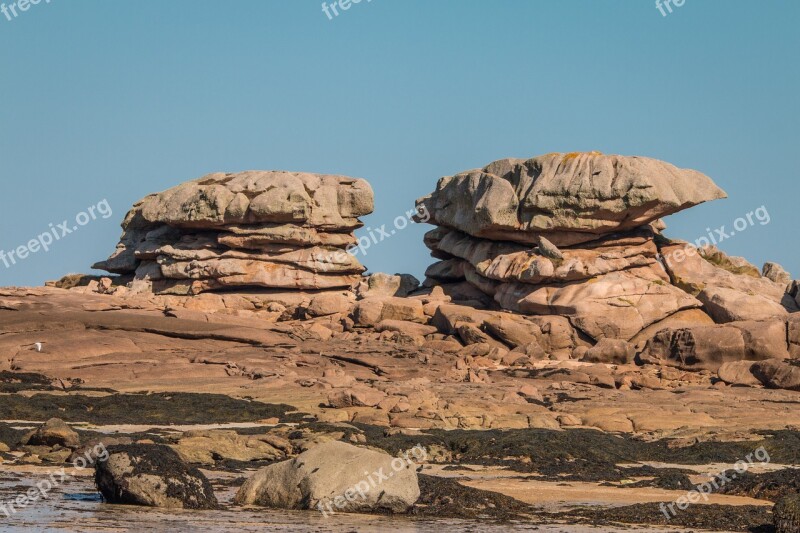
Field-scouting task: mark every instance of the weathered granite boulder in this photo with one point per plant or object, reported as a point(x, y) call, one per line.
point(506, 261)
point(793, 335)
point(775, 272)
point(738, 373)
point(208, 446)
point(610, 351)
point(578, 236)
point(567, 198)
point(371, 311)
point(153, 476)
point(553, 337)
point(616, 305)
point(778, 374)
point(256, 197)
point(729, 289)
point(710, 347)
point(251, 230)
point(335, 477)
point(382, 284)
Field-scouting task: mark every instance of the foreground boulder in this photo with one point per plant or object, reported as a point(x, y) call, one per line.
point(335, 477)
point(152, 476)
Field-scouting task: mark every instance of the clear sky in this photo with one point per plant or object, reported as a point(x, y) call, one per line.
point(114, 100)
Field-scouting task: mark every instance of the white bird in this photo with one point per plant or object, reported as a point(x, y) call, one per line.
point(38, 346)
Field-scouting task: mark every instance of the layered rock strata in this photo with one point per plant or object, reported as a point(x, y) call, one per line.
point(579, 236)
point(251, 230)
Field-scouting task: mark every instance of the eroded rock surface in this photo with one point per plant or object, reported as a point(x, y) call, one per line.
point(568, 198)
point(579, 236)
point(255, 229)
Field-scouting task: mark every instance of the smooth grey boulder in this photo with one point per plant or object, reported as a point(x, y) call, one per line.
point(335, 477)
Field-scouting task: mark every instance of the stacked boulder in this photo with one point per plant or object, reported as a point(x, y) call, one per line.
point(255, 230)
point(578, 236)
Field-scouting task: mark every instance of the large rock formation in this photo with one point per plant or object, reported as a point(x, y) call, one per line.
point(578, 235)
point(255, 229)
point(567, 198)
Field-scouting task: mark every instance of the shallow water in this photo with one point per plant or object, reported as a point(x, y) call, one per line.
point(76, 506)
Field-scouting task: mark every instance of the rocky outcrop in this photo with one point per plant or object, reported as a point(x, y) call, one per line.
point(335, 477)
point(152, 476)
point(567, 198)
point(730, 288)
point(256, 229)
point(579, 236)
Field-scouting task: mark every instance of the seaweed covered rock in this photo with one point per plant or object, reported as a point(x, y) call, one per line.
point(786, 514)
point(153, 476)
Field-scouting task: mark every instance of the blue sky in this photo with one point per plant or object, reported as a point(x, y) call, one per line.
point(114, 100)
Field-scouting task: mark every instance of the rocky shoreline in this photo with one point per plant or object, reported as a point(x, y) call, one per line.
point(561, 349)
